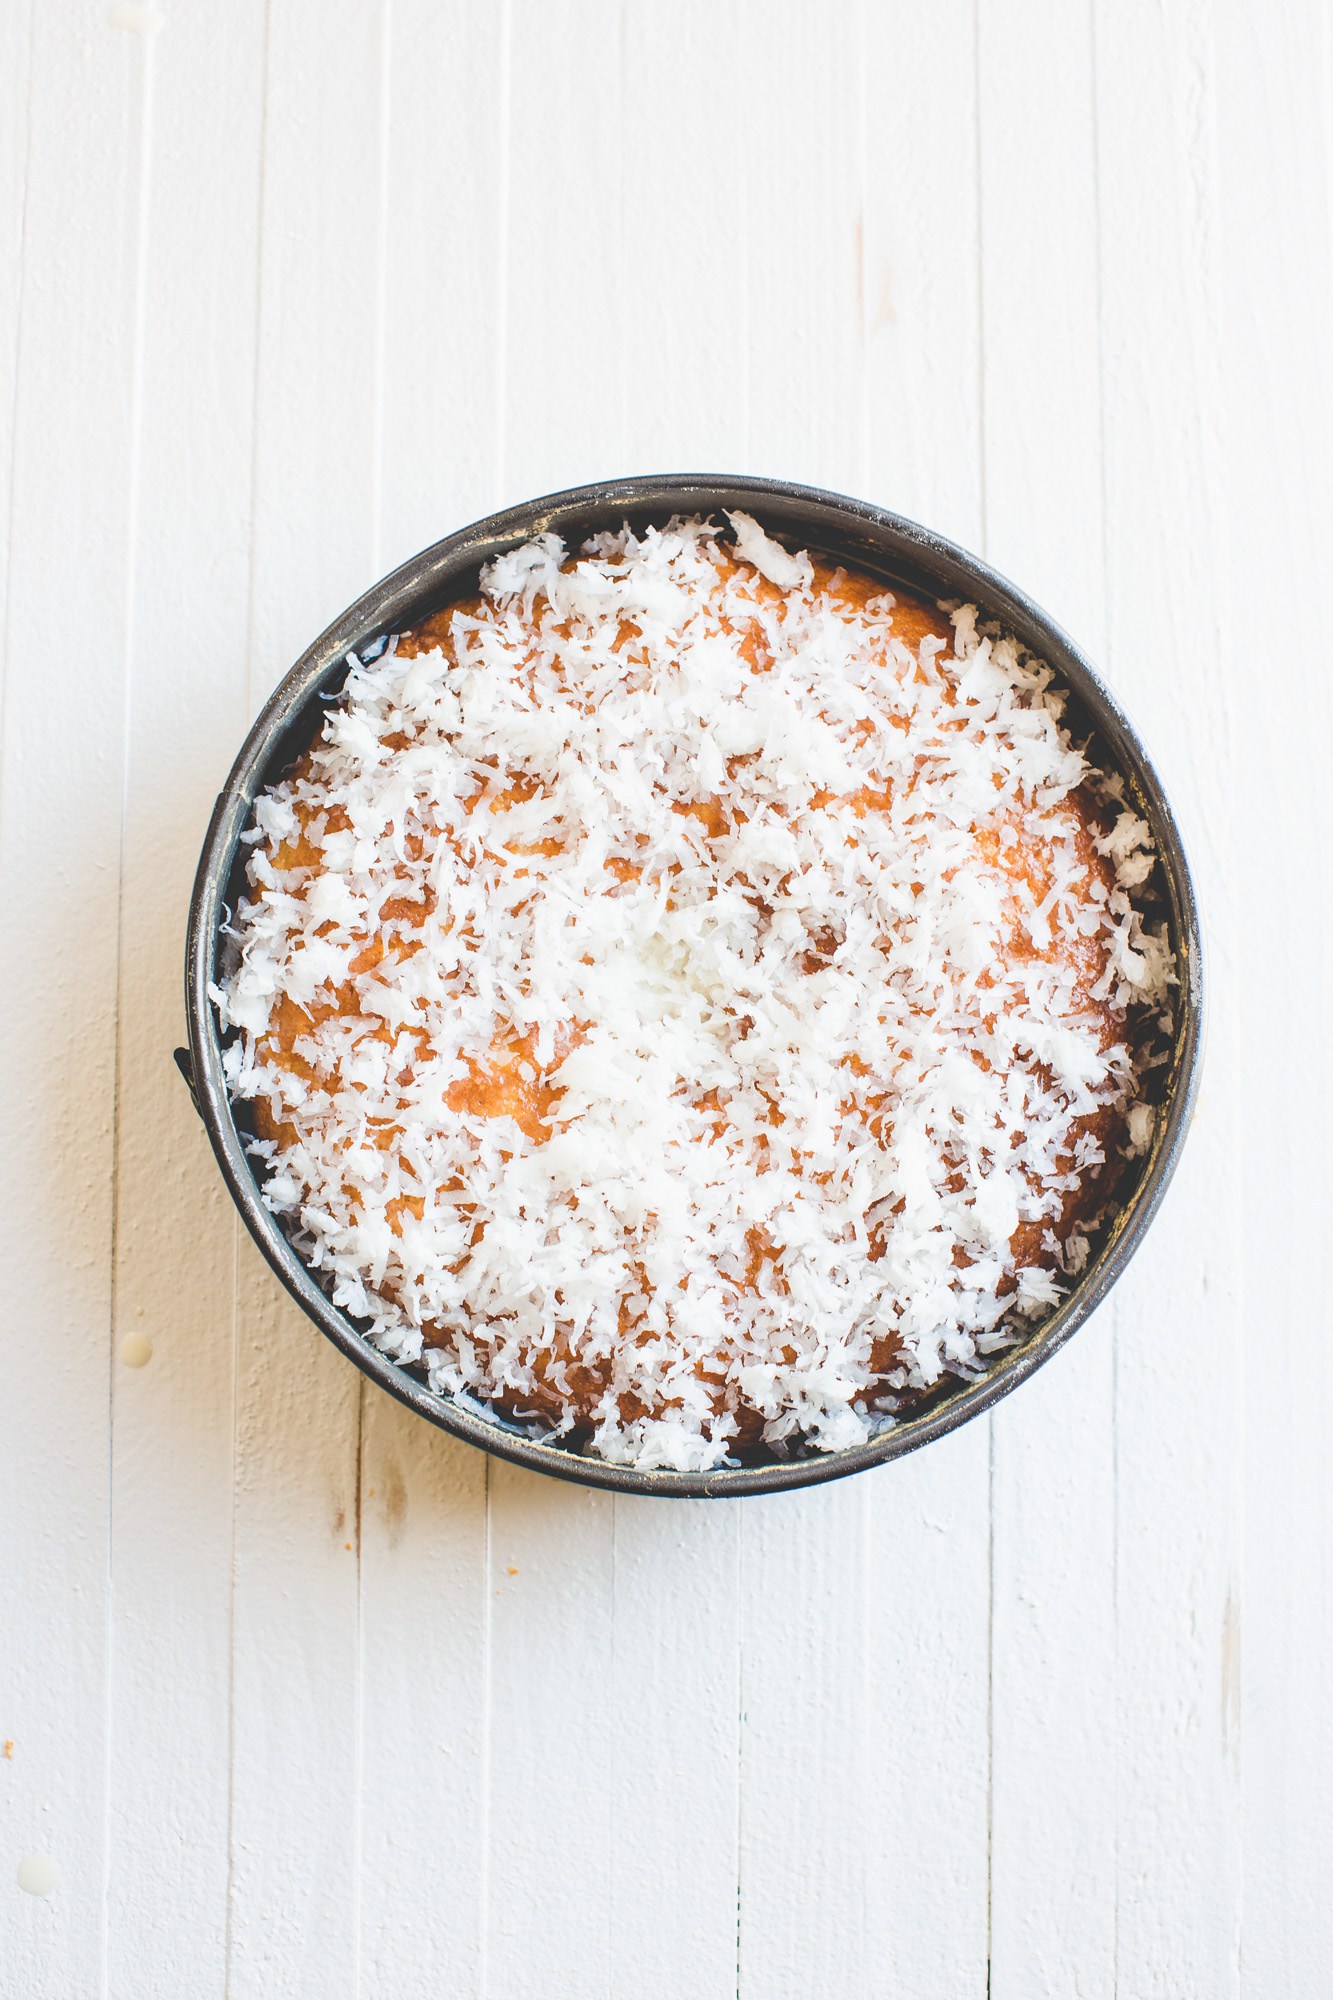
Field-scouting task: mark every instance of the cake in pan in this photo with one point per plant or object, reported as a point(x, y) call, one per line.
point(691, 999)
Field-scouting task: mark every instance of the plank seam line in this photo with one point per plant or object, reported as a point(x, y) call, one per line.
point(747, 407)
point(20, 298)
point(133, 497)
point(740, 1726)
point(1104, 640)
point(257, 398)
point(504, 83)
point(862, 234)
point(252, 558)
point(381, 296)
point(359, 1765)
point(983, 526)
point(376, 563)
point(864, 1514)
point(1203, 149)
point(503, 202)
point(484, 1899)
point(231, 1608)
point(983, 523)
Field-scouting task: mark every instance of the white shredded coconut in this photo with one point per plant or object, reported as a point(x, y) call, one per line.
point(689, 1040)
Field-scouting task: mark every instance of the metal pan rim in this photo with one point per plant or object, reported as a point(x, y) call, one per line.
point(872, 537)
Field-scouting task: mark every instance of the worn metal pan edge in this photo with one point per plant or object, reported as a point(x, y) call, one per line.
point(872, 538)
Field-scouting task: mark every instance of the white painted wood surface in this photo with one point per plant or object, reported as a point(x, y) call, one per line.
point(303, 1699)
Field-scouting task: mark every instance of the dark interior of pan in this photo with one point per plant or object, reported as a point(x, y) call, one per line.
point(860, 536)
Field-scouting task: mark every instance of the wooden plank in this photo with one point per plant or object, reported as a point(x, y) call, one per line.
point(68, 503)
point(1053, 1674)
point(682, 257)
point(294, 1843)
point(425, 1762)
point(1274, 286)
point(171, 1470)
point(442, 296)
point(924, 1822)
point(552, 1828)
point(295, 1903)
point(16, 77)
point(674, 1688)
point(562, 358)
point(424, 1575)
point(925, 1825)
point(674, 1701)
point(1178, 1425)
point(797, 220)
point(805, 1867)
point(803, 1680)
point(558, 1804)
point(919, 265)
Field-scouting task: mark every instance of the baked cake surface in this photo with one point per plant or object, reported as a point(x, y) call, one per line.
point(691, 999)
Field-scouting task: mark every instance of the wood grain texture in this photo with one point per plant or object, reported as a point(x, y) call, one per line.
point(304, 1698)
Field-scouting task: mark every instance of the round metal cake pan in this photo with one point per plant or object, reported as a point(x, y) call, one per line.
point(863, 537)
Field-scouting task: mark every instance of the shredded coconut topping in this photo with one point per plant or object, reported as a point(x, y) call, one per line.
point(683, 1012)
